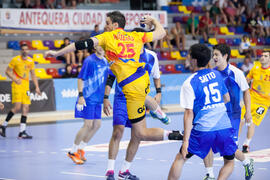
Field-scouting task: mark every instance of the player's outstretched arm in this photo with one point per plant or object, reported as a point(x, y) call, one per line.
point(159, 31)
point(78, 45)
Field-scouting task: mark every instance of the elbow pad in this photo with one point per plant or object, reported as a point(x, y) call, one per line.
point(84, 44)
point(110, 80)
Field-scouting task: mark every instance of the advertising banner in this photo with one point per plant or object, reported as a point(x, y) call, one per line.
point(39, 103)
point(68, 20)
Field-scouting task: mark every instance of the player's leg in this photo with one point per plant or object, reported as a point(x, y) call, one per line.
point(155, 110)
point(208, 163)
point(227, 168)
point(176, 168)
point(23, 134)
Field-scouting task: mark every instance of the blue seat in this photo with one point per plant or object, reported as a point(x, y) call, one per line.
point(229, 41)
point(61, 71)
point(236, 41)
point(267, 41)
point(240, 64)
point(14, 45)
point(239, 30)
point(183, 53)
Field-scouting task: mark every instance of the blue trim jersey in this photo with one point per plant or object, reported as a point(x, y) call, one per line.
point(94, 74)
point(203, 93)
point(235, 82)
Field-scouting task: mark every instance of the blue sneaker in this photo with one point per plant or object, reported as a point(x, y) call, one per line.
point(110, 175)
point(165, 120)
point(249, 170)
point(127, 175)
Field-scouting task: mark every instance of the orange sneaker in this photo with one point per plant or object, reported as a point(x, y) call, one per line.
point(81, 154)
point(75, 158)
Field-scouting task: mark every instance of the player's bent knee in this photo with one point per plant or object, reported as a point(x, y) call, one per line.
point(117, 133)
point(230, 157)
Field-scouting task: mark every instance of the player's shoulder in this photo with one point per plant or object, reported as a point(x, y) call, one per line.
point(235, 69)
point(30, 59)
point(16, 58)
point(150, 52)
point(190, 78)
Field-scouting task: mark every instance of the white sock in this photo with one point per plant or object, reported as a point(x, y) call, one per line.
point(247, 141)
point(82, 145)
point(246, 161)
point(126, 165)
point(159, 113)
point(22, 127)
point(166, 134)
point(110, 166)
point(5, 123)
point(74, 148)
point(210, 171)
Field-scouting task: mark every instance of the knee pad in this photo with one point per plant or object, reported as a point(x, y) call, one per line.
point(230, 157)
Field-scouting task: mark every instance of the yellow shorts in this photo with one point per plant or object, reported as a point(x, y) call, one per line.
point(258, 111)
point(20, 93)
point(135, 93)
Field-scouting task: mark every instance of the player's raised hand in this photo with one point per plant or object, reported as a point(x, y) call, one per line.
point(50, 53)
point(147, 20)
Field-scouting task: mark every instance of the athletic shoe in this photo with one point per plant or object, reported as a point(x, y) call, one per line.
point(249, 170)
point(3, 131)
point(75, 157)
point(207, 177)
point(110, 175)
point(245, 149)
point(166, 120)
point(127, 175)
point(81, 154)
point(24, 135)
point(176, 135)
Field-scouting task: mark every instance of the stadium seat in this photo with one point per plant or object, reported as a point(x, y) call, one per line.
point(229, 41)
point(236, 41)
point(53, 72)
point(2, 78)
point(14, 45)
point(61, 71)
point(253, 42)
point(213, 41)
point(267, 41)
point(235, 54)
point(174, 9)
point(159, 55)
point(259, 52)
point(261, 41)
point(183, 9)
point(176, 55)
point(166, 55)
point(184, 54)
point(165, 45)
point(58, 43)
point(221, 41)
point(28, 43)
point(178, 67)
point(201, 41)
point(53, 60)
point(166, 8)
point(170, 68)
point(224, 30)
point(38, 44)
point(49, 44)
point(42, 74)
point(40, 59)
point(239, 30)
point(233, 63)
point(240, 64)
point(232, 29)
point(74, 71)
point(177, 19)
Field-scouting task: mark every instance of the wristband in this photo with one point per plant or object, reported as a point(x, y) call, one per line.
point(80, 94)
point(106, 97)
point(158, 90)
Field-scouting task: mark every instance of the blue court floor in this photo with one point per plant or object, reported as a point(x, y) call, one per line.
point(44, 157)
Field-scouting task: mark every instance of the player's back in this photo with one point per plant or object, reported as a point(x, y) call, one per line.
point(122, 49)
point(206, 88)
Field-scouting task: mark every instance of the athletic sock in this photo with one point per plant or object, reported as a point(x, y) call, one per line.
point(126, 165)
point(110, 166)
point(159, 113)
point(210, 171)
point(166, 134)
point(247, 142)
point(82, 145)
point(74, 148)
point(9, 116)
point(22, 127)
point(246, 161)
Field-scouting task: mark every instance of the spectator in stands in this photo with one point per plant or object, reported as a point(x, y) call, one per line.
point(79, 68)
point(26, 4)
point(178, 36)
point(68, 73)
point(251, 4)
point(266, 25)
point(49, 4)
point(205, 26)
point(217, 13)
point(166, 39)
point(73, 4)
point(38, 5)
point(245, 47)
point(193, 23)
point(69, 57)
point(240, 9)
point(61, 4)
point(252, 24)
point(230, 11)
point(247, 65)
point(95, 31)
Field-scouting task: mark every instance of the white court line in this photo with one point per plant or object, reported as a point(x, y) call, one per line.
point(82, 174)
point(6, 179)
point(262, 168)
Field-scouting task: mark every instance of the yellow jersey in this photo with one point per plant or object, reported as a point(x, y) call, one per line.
point(260, 89)
point(123, 49)
point(21, 68)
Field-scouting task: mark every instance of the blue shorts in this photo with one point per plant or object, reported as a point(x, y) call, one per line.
point(220, 141)
point(91, 111)
point(235, 125)
point(120, 116)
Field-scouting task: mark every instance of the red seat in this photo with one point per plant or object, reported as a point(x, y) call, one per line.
point(53, 60)
point(28, 43)
point(221, 41)
point(166, 55)
point(170, 68)
point(53, 72)
point(259, 52)
point(233, 63)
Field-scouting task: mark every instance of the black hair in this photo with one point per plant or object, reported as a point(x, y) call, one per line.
point(66, 38)
point(224, 49)
point(117, 17)
point(138, 29)
point(202, 53)
point(22, 45)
